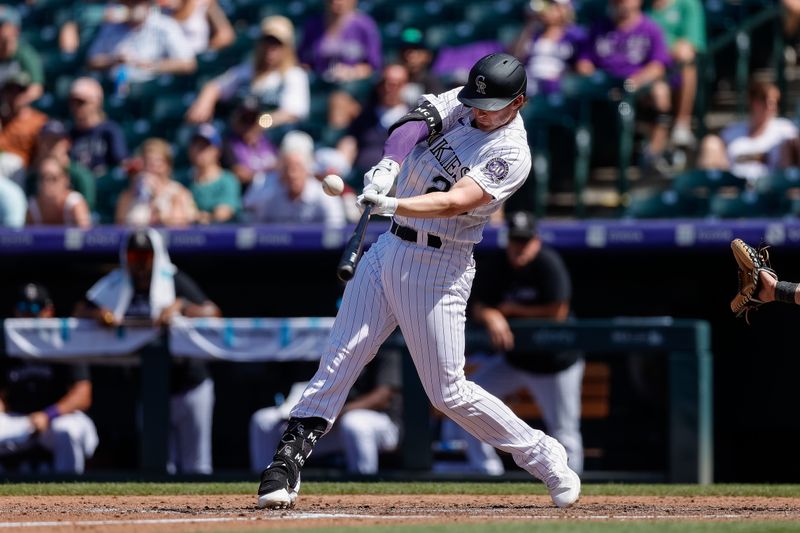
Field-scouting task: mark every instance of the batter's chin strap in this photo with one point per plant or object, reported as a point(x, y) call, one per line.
point(426, 112)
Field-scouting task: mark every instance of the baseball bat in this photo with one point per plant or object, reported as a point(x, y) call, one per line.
point(355, 246)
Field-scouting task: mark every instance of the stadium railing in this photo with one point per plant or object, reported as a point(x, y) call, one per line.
point(687, 343)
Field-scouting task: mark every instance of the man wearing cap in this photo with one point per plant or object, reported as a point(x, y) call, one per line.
point(44, 404)
point(19, 126)
point(98, 143)
point(16, 56)
point(530, 281)
point(145, 44)
point(148, 288)
point(456, 158)
point(272, 76)
point(293, 194)
point(215, 190)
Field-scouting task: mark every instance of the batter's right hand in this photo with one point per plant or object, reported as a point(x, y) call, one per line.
point(382, 176)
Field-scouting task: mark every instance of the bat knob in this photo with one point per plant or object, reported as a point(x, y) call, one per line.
point(345, 272)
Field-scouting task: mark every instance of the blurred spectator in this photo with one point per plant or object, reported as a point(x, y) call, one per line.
point(248, 151)
point(751, 149)
point(148, 287)
point(531, 281)
point(215, 190)
point(97, 142)
point(153, 196)
point(72, 24)
point(54, 142)
point(294, 195)
point(368, 424)
point(272, 77)
point(16, 56)
point(140, 44)
point(343, 47)
point(417, 59)
point(363, 142)
point(453, 63)
point(19, 126)
point(791, 17)
point(44, 404)
point(55, 202)
point(12, 204)
point(342, 44)
point(203, 22)
point(549, 44)
point(684, 26)
point(630, 47)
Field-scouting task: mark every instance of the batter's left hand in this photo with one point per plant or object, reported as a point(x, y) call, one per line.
point(381, 204)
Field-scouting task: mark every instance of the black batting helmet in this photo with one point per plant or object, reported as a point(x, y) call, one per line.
point(494, 81)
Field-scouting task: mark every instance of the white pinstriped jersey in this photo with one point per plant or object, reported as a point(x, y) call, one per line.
point(498, 161)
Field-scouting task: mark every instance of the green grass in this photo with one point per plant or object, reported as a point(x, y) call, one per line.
point(319, 488)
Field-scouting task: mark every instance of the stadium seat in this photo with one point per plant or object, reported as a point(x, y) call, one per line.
point(168, 111)
point(780, 183)
point(442, 35)
point(706, 182)
point(41, 38)
point(136, 131)
point(664, 204)
point(499, 13)
point(747, 204)
point(109, 187)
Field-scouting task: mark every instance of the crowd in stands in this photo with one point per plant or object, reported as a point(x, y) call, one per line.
point(168, 104)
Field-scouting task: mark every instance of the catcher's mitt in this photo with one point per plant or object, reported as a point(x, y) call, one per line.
point(751, 262)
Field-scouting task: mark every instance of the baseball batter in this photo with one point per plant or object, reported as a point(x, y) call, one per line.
point(457, 157)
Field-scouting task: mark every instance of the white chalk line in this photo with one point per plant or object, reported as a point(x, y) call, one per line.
point(321, 516)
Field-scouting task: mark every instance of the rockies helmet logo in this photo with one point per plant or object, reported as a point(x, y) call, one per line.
point(480, 84)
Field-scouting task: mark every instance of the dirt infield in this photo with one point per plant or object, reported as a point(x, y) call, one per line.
point(229, 513)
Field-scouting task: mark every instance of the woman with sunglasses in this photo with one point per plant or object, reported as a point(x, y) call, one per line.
point(272, 76)
point(55, 202)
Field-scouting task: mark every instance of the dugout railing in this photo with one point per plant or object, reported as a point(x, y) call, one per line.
point(686, 343)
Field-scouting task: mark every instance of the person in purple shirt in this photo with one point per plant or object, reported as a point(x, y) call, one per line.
point(248, 151)
point(549, 44)
point(342, 44)
point(631, 47)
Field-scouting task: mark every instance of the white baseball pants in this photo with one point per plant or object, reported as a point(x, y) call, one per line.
point(191, 414)
point(558, 396)
point(72, 438)
point(423, 290)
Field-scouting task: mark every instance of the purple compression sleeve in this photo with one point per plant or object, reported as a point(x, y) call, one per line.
point(403, 139)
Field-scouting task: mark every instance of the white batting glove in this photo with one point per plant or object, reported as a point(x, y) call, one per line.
point(382, 175)
point(381, 204)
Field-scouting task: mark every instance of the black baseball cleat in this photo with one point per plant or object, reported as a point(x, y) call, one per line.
point(277, 489)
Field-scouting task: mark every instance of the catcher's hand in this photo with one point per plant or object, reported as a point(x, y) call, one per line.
point(751, 263)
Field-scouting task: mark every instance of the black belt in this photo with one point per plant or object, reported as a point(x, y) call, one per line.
point(410, 235)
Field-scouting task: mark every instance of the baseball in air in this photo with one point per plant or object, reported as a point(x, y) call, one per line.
point(333, 185)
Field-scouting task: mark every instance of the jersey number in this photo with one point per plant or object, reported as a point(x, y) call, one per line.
point(440, 184)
